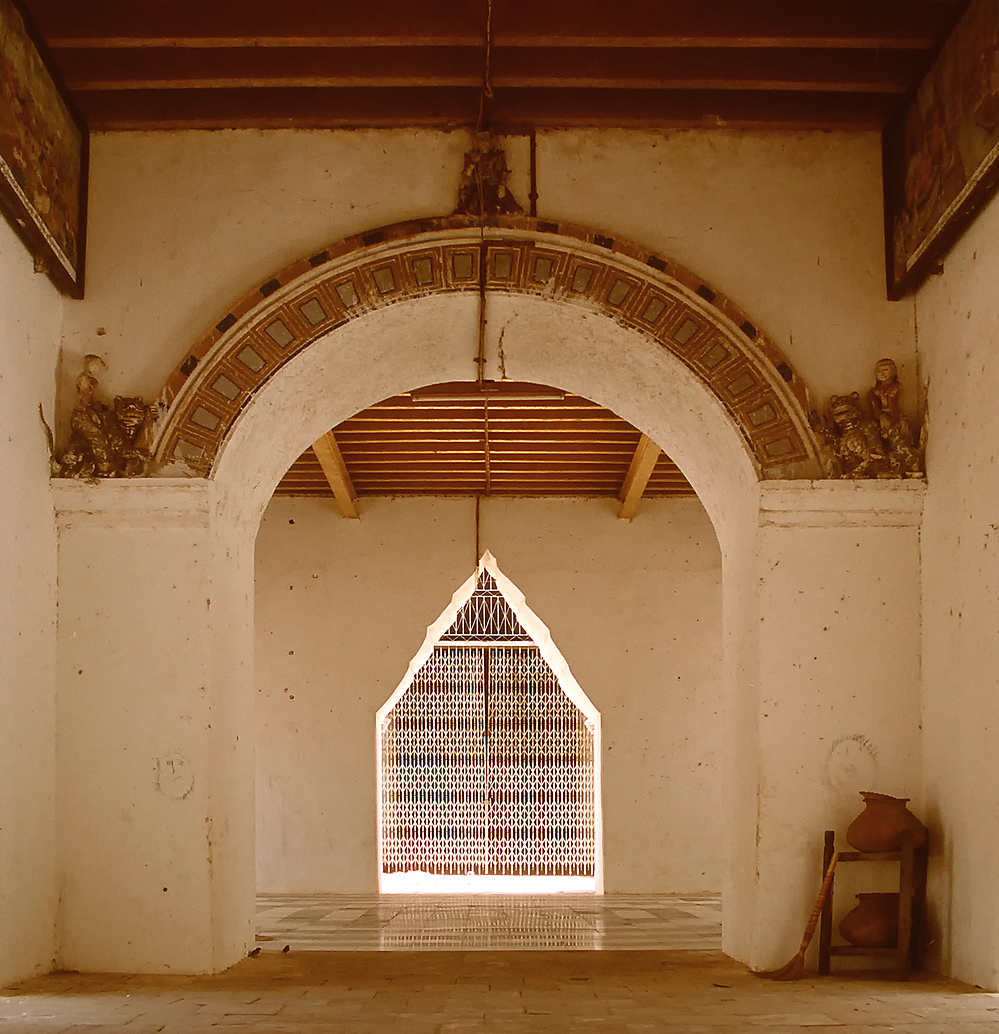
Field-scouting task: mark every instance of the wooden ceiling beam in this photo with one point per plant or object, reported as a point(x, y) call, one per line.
point(390, 430)
point(365, 474)
point(328, 454)
point(513, 110)
point(642, 465)
point(672, 69)
point(878, 24)
point(362, 464)
point(522, 443)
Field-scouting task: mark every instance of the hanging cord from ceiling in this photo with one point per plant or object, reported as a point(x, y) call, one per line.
point(485, 93)
point(488, 457)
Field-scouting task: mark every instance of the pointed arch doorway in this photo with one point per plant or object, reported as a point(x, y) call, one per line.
point(489, 756)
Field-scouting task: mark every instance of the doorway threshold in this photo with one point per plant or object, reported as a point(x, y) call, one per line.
point(482, 922)
point(432, 883)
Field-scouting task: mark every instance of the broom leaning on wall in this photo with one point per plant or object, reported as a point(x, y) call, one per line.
point(795, 969)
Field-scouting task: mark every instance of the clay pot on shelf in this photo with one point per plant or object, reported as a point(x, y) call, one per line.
point(882, 823)
point(873, 922)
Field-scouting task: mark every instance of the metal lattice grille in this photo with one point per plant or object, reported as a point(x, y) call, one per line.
point(487, 765)
point(486, 617)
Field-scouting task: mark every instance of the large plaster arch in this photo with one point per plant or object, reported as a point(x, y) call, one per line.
point(428, 340)
point(599, 284)
point(820, 580)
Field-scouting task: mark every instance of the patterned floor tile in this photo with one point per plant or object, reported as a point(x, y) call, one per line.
point(478, 922)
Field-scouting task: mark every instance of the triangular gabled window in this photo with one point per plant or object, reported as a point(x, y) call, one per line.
point(489, 749)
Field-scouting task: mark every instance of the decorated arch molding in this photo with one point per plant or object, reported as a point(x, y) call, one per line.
point(218, 378)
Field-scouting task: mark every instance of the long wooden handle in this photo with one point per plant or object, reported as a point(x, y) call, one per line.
point(820, 901)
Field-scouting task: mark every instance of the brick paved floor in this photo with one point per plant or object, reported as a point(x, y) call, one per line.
point(508, 992)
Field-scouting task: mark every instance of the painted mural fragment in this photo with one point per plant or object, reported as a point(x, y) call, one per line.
point(43, 155)
point(942, 153)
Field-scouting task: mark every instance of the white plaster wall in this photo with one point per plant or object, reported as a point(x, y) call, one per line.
point(838, 703)
point(150, 728)
point(786, 224)
point(183, 224)
point(958, 327)
point(30, 314)
point(769, 862)
point(343, 605)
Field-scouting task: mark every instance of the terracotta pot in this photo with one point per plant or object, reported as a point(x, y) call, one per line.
point(873, 923)
point(880, 826)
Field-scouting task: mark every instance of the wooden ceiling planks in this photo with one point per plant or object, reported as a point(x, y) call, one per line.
point(513, 439)
point(760, 64)
point(309, 63)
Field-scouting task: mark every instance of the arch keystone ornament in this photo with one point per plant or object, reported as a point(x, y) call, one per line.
point(507, 254)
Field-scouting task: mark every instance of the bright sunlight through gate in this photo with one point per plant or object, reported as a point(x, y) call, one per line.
point(488, 764)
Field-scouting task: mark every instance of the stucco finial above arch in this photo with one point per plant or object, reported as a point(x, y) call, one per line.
point(566, 264)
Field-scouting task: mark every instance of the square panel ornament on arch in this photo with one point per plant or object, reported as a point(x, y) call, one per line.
point(739, 383)
point(653, 310)
point(503, 264)
point(198, 435)
point(460, 266)
point(584, 280)
point(711, 355)
point(423, 271)
point(543, 270)
point(386, 279)
point(779, 446)
point(621, 295)
point(685, 331)
point(762, 412)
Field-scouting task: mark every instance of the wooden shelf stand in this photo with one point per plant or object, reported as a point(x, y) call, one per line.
point(907, 953)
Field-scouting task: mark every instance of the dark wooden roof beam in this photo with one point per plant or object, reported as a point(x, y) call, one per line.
point(172, 69)
point(879, 24)
point(445, 107)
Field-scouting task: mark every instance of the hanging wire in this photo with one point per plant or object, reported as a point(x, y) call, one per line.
point(485, 92)
point(487, 86)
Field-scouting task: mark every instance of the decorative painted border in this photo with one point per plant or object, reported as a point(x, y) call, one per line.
point(563, 262)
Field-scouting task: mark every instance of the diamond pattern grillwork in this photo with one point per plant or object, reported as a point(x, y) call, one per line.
point(488, 766)
point(486, 617)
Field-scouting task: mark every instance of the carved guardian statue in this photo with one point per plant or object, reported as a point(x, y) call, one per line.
point(106, 441)
point(879, 446)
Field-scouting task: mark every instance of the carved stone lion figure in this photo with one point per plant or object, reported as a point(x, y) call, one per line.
point(857, 446)
point(105, 441)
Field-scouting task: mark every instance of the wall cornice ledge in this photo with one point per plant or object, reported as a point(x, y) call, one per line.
point(842, 504)
point(136, 502)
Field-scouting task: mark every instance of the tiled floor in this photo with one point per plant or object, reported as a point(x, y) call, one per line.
point(503, 992)
point(488, 922)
